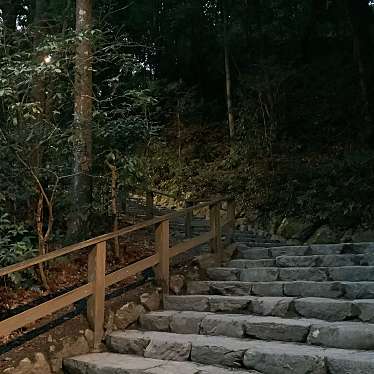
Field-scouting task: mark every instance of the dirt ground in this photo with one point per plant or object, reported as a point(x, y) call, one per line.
point(46, 335)
point(50, 340)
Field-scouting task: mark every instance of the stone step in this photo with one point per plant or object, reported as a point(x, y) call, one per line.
point(272, 274)
point(253, 253)
point(245, 251)
point(333, 290)
point(114, 363)
point(306, 261)
point(325, 260)
point(250, 245)
point(347, 335)
point(309, 307)
point(245, 264)
point(266, 357)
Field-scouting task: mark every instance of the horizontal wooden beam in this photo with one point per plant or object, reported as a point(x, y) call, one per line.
point(133, 269)
point(187, 245)
point(29, 316)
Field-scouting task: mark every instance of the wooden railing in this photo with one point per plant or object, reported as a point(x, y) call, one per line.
point(98, 280)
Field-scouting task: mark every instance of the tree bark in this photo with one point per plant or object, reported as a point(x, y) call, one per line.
point(226, 46)
point(362, 21)
point(317, 9)
point(82, 134)
point(9, 14)
point(114, 199)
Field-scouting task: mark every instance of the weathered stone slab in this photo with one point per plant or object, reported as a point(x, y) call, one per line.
point(365, 309)
point(253, 253)
point(300, 274)
point(131, 342)
point(223, 325)
point(325, 309)
point(109, 363)
point(223, 274)
point(259, 275)
point(217, 350)
point(247, 264)
point(198, 288)
point(230, 304)
point(295, 261)
point(230, 288)
point(325, 260)
point(187, 302)
point(164, 349)
point(156, 321)
point(267, 288)
point(314, 289)
point(275, 328)
point(347, 335)
point(272, 306)
point(289, 251)
point(352, 273)
point(327, 249)
point(187, 322)
point(263, 244)
point(276, 358)
point(358, 290)
point(128, 314)
point(339, 362)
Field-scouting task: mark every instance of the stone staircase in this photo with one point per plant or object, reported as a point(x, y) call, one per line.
point(273, 309)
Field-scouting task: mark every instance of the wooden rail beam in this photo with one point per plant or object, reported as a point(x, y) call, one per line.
point(189, 244)
point(29, 316)
point(130, 270)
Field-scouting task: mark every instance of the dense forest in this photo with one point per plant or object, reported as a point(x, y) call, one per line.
point(269, 101)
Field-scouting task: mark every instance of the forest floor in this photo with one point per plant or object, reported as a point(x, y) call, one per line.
point(45, 335)
point(50, 339)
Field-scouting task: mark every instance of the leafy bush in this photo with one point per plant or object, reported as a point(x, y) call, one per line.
point(16, 244)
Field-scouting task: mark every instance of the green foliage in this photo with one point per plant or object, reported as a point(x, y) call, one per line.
point(16, 244)
point(159, 111)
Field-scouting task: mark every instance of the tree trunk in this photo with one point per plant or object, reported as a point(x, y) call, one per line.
point(114, 198)
point(39, 97)
point(362, 22)
point(82, 136)
point(226, 46)
point(9, 14)
point(317, 9)
point(41, 240)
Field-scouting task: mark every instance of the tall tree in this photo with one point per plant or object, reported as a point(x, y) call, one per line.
point(226, 46)
point(82, 134)
point(9, 13)
point(362, 21)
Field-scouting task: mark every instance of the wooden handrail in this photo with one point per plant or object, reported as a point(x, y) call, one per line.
point(99, 239)
point(97, 279)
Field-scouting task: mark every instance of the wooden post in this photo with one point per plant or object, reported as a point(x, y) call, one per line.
point(231, 219)
point(149, 204)
point(215, 228)
point(96, 302)
point(162, 248)
point(188, 220)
